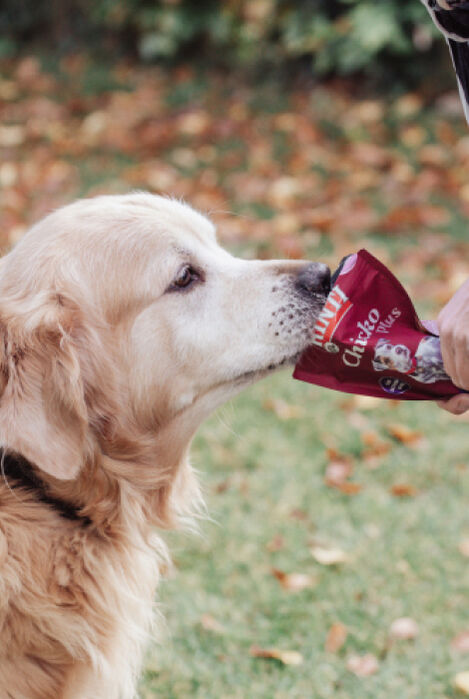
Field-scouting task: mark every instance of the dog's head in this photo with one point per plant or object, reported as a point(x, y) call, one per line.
point(124, 309)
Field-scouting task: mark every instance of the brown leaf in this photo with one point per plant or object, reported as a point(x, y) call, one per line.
point(408, 105)
point(282, 409)
point(366, 402)
point(464, 547)
point(223, 486)
point(193, 123)
point(336, 637)
point(404, 628)
point(209, 623)
point(404, 434)
point(403, 490)
point(296, 513)
point(374, 445)
point(12, 135)
point(413, 136)
point(337, 471)
point(8, 90)
point(366, 153)
point(287, 657)
point(433, 154)
point(283, 190)
point(294, 582)
point(349, 488)
point(355, 418)
point(434, 216)
point(461, 642)
point(328, 556)
point(276, 544)
point(363, 665)
point(291, 247)
point(368, 111)
point(461, 682)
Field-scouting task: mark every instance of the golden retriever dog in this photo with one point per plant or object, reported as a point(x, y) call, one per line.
point(123, 324)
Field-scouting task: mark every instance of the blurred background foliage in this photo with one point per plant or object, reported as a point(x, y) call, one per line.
point(331, 37)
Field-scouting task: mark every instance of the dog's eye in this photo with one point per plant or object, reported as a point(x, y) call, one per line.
point(185, 278)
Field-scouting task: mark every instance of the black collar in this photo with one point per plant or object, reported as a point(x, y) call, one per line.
point(19, 473)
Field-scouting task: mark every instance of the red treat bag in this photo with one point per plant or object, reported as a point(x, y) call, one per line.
point(368, 338)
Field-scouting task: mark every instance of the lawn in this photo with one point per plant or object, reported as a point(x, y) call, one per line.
point(264, 479)
point(291, 473)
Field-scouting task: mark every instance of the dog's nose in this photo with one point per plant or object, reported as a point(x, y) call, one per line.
point(315, 277)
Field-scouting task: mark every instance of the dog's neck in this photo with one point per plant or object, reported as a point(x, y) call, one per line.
point(18, 472)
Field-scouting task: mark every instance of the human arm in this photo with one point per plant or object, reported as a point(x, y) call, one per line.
point(453, 326)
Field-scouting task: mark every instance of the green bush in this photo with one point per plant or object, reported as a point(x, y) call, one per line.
point(338, 36)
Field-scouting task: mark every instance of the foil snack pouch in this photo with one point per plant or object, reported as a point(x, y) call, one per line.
point(368, 339)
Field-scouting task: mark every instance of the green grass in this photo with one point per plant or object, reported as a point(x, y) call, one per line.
point(258, 471)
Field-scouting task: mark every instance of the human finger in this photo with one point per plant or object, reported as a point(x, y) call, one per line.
point(448, 348)
point(457, 405)
point(461, 362)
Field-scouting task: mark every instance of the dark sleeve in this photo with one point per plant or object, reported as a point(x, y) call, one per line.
point(454, 21)
point(460, 56)
point(454, 24)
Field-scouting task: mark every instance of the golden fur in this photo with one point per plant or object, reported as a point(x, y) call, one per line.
point(106, 371)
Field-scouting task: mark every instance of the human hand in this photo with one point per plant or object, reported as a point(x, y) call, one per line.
point(456, 404)
point(453, 326)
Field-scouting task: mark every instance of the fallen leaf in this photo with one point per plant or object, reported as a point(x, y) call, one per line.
point(328, 556)
point(276, 544)
point(287, 657)
point(294, 582)
point(283, 190)
point(209, 623)
point(11, 136)
point(296, 513)
point(8, 90)
point(457, 279)
point(337, 471)
point(93, 127)
point(8, 174)
point(282, 409)
point(369, 111)
point(223, 486)
point(461, 642)
point(374, 445)
point(366, 153)
point(433, 154)
point(366, 402)
point(404, 490)
point(412, 136)
point(336, 637)
point(363, 665)
point(407, 105)
point(286, 223)
point(404, 628)
point(434, 216)
point(349, 488)
point(461, 682)
point(404, 434)
point(291, 247)
point(193, 123)
point(356, 419)
point(464, 547)
point(184, 158)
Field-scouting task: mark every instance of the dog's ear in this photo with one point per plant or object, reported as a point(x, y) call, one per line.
point(43, 411)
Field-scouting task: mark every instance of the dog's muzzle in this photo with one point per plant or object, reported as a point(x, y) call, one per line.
point(314, 278)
